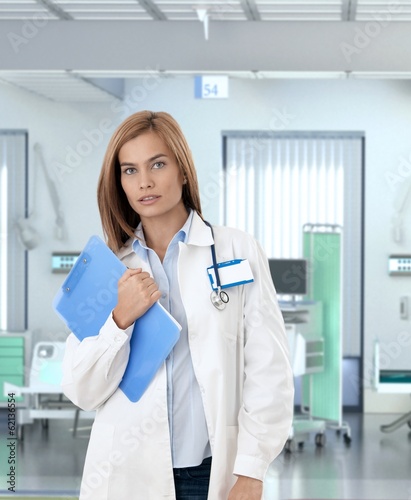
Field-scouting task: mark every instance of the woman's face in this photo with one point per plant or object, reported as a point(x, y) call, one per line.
point(151, 177)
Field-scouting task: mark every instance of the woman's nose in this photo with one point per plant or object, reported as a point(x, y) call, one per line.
point(145, 181)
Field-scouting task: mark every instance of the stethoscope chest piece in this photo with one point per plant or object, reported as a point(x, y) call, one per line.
point(219, 299)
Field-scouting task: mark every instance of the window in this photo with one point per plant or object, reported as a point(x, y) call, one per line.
point(277, 182)
point(13, 208)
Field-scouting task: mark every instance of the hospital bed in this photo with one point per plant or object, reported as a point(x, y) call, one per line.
point(45, 396)
point(394, 382)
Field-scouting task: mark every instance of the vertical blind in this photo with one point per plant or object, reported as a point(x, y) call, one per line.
point(13, 174)
point(277, 182)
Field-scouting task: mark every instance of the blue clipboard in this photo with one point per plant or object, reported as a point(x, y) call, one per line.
point(86, 299)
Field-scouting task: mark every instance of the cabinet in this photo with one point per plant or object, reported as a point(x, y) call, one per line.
point(13, 357)
point(303, 323)
point(304, 327)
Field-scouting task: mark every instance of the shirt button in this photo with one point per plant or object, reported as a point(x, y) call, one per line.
point(164, 296)
point(202, 390)
point(117, 338)
point(193, 336)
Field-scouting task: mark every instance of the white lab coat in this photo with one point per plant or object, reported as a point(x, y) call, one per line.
point(240, 359)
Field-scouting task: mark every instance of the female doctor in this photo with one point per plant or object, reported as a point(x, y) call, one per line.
point(219, 410)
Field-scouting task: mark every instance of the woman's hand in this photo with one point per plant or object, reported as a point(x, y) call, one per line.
point(246, 488)
point(137, 292)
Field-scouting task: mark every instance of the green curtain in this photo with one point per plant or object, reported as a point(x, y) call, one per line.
point(322, 392)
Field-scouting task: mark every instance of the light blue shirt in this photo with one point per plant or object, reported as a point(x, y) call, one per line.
point(188, 429)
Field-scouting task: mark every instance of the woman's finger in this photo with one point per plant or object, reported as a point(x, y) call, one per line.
point(130, 272)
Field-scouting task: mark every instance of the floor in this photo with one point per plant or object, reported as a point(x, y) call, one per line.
point(374, 466)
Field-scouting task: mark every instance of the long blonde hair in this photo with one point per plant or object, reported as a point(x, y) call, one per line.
point(118, 219)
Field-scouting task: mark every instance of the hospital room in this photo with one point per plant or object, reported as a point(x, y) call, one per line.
point(279, 132)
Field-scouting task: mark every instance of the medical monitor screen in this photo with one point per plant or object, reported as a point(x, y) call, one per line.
point(289, 276)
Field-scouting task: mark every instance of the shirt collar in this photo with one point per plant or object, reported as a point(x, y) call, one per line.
point(198, 234)
point(181, 235)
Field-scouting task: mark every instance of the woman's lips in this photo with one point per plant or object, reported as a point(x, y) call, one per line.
point(148, 200)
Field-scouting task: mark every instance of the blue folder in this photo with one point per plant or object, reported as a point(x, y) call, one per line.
point(85, 301)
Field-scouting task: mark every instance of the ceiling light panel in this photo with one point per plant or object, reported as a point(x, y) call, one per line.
point(27, 9)
point(382, 75)
point(301, 75)
point(115, 73)
point(383, 10)
point(299, 10)
point(161, 74)
point(60, 86)
point(218, 10)
point(110, 10)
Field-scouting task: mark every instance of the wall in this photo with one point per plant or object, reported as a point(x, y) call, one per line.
point(59, 129)
point(380, 108)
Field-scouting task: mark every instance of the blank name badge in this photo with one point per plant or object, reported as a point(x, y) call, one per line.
point(232, 273)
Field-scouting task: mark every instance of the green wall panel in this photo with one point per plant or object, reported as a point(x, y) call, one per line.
point(11, 341)
point(11, 364)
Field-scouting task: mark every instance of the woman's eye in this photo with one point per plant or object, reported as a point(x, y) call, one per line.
point(158, 164)
point(129, 170)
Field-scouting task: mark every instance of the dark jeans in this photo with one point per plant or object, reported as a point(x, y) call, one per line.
point(192, 482)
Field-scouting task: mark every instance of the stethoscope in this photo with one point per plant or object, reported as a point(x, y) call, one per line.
point(219, 298)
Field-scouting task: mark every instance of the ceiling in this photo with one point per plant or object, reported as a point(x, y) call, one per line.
point(218, 10)
point(66, 19)
point(59, 86)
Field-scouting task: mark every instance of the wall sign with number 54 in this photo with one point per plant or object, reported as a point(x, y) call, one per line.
point(211, 87)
